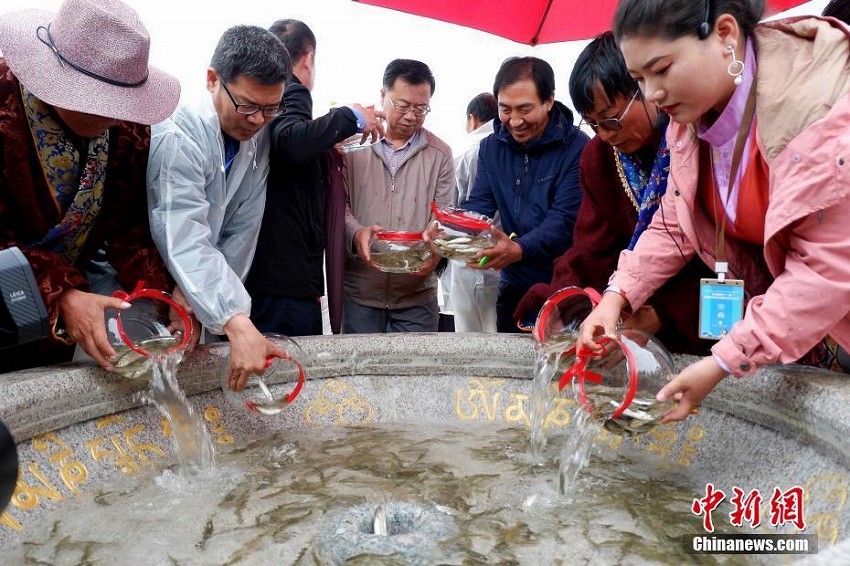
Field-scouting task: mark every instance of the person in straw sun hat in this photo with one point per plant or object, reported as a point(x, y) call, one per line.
point(77, 95)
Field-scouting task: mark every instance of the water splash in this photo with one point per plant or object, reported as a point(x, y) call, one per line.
point(545, 367)
point(195, 449)
point(575, 453)
point(552, 358)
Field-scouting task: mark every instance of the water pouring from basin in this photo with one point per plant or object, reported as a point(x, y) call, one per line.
point(554, 332)
point(616, 386)
point(154, 326)
point(150, 339)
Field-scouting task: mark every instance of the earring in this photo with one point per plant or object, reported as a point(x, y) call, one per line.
point(736, 67)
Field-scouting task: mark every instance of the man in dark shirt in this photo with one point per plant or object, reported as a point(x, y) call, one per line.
point(286, 280)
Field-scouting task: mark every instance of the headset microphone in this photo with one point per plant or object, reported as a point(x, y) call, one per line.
point(705, 27)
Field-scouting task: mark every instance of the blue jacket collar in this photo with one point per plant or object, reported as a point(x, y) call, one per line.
point(559, 129)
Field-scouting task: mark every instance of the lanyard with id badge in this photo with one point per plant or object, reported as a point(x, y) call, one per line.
point(721, 300)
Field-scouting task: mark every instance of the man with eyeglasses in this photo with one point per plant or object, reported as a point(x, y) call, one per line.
point(206, 188)
point(391, 187)
point(305, 185)
point(527, 172)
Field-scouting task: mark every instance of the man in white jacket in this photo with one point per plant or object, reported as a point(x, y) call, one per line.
point(206, 189)
point(474, 292)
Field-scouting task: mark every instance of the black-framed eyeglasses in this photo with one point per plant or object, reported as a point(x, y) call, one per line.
point(418, 111)
point(250, 109)
point(613, 124)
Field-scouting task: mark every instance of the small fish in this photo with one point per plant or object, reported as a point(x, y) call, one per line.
point(379, 523)
point(205, 537)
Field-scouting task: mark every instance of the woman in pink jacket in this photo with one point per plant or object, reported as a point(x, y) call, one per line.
point(766, 106)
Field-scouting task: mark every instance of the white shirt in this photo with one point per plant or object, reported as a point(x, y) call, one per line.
point(466, 162)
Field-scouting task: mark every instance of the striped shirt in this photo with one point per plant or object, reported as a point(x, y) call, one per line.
point(395, 156)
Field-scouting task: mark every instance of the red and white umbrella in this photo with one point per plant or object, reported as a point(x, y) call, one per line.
point(529, 21)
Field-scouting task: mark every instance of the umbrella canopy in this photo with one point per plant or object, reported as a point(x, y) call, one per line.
point(528, 21)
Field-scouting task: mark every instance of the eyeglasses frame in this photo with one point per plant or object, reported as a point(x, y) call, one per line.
point(616, 123)
point(240, 107)
point(418, 112)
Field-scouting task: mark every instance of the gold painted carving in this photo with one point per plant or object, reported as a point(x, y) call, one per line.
point(560, 415)
point(483, 398)
point(659, 440)
point(830, 488)
point(213, 415)
point(28, 497)
point(479, 399)
point(516, 413)
point(689, 448)
point(338, 403)
point(73, 472)
point(128, 455)
point(7, 520)
point(610, 440)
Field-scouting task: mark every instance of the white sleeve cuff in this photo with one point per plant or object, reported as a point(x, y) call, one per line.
point(721, 363)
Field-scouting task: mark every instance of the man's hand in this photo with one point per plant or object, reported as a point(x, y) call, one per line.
point(429, 266)
point(248, 351)
point(374, 127)
point(430, 233)
point(177, 322)
point(504, 253)
point(361, 241)
point(83, 314)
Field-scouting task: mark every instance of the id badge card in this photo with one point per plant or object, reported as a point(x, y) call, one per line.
point(721, 305)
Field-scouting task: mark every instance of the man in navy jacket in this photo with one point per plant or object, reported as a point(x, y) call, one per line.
point(528, 173)
point(286, 278)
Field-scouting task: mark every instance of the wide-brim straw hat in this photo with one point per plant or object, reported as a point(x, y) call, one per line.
point(91, 56)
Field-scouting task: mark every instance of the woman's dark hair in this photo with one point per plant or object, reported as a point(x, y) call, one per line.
point(838, 9)
point(672, 19)
point(601, 62)
point(516, 69)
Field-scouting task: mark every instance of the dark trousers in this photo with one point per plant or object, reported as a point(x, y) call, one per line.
point(357, 318)
point(506, 304)
point(289, 316)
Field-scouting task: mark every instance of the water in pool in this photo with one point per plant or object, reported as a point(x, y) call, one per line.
point(449, 495)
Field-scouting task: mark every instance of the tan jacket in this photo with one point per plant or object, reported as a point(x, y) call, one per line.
point(400, 202)
point(803, 109)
